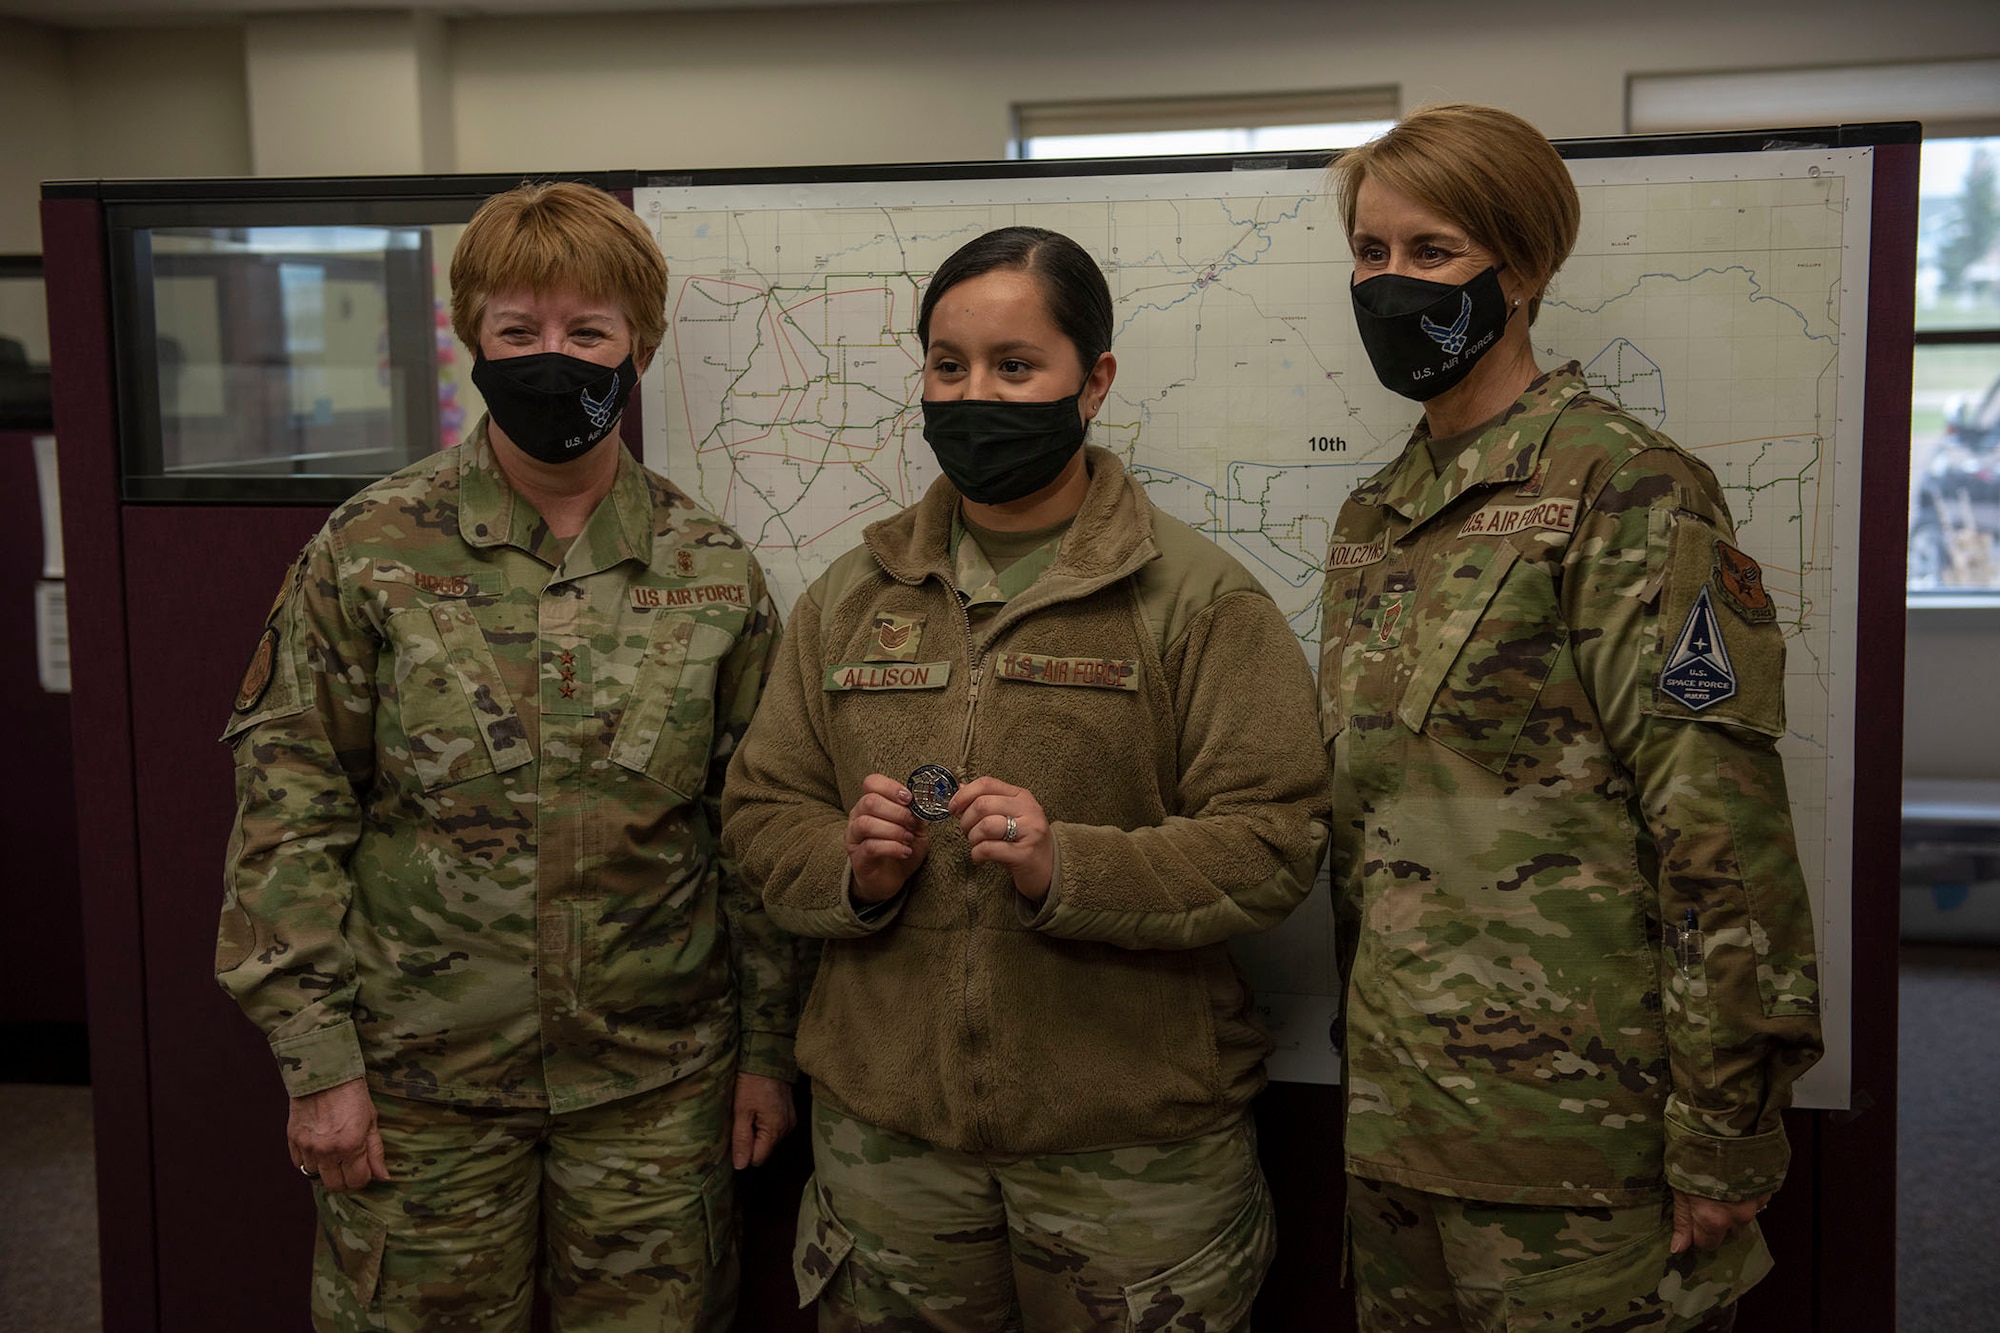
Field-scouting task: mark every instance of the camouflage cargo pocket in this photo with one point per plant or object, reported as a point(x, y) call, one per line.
point(454, 708)
point(1487, 658)
point(1213, 1289)
point(669, 720)
point(347, 1265)
point(1640, 1285)
point(718, 1207)
point(820, 1246)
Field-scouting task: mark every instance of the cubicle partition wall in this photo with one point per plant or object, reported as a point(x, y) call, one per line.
point(233, 357)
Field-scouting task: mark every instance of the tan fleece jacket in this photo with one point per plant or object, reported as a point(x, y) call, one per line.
point(1153, 699)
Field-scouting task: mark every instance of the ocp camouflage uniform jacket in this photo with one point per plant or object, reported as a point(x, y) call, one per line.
point(475, 856)
point(1584, 960)
point(1151, 696)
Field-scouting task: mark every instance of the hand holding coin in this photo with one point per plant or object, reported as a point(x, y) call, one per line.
point(885, 840)
point(1006, 825)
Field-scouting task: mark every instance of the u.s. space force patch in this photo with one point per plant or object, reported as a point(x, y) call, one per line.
point(1697, 672)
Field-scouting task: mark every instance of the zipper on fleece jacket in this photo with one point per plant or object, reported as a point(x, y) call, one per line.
point(975, 1022)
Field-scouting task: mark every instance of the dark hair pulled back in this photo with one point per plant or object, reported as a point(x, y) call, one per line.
point(1079, 301)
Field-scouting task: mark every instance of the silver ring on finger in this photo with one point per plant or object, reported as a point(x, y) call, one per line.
point(1013, 833)
point(308, 1172)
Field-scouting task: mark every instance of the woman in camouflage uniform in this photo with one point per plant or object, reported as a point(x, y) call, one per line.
point(474, 897)
point(1581, 973)
point(1030, 756)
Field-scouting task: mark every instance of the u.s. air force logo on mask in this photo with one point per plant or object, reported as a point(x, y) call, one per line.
point(1698, 673)
point(1450, 336)
point(600, 410)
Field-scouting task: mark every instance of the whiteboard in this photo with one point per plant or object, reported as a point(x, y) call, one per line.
point(1721, 297)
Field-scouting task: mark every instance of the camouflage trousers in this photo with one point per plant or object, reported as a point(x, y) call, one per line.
point(897, 1234)
point(1448, 1265)
point(627, 1209)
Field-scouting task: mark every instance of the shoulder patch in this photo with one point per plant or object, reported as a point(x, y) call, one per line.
point(257, 677)
point(1697, 673)
point(1739, 581)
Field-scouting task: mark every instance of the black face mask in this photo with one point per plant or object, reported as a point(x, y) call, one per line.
point(555, 407)
point(1424, 337)
point(999, 451)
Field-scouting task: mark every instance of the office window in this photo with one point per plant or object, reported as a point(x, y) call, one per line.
point(1955, 399)
point(1955, 417)
point(1268, 123)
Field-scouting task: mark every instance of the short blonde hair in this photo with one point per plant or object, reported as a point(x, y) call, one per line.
point(1479, 168)
point(541, 236)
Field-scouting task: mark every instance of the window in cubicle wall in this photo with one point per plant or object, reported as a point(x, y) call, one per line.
point(24, 345)
point(294, 361)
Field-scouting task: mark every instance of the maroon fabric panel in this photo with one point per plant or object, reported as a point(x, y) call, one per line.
point(114, 958)
point(199, 585)
point(43, 979)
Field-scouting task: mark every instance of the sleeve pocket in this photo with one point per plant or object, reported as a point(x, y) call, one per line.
point(821, 1245)
point(280, 694)
point(669, 721)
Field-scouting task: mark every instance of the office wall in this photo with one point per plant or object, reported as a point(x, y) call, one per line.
point(920, 82)
point(159, 101)
point(36, 133)
point(932, 82)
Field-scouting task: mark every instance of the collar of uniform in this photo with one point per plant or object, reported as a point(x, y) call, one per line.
point(1110, 536)
point(1505, 452)
point(492, 513)
point(621, 527)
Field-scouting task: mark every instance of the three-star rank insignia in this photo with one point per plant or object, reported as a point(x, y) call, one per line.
point(263, 666)
point(1739, 581)
point(1698, 673)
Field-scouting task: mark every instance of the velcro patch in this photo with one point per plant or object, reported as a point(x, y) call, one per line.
point(444, 585)
point(1739, 581)
point(895, 638)
point(1698, 673)
point(1348, 555)
point(1099, 673)
point(887, 676)
point(437, 585)
point(1499, 520)
point(702, 594)
point(263, 666)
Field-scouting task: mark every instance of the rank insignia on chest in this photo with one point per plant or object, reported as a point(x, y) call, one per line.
point(684, 562)
point(895, 638)
point(1388, 622)
point(1697, 673)
point(1739, 581)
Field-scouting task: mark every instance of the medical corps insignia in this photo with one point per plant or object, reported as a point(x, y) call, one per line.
point(1698, 673)
point(1740, 583)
